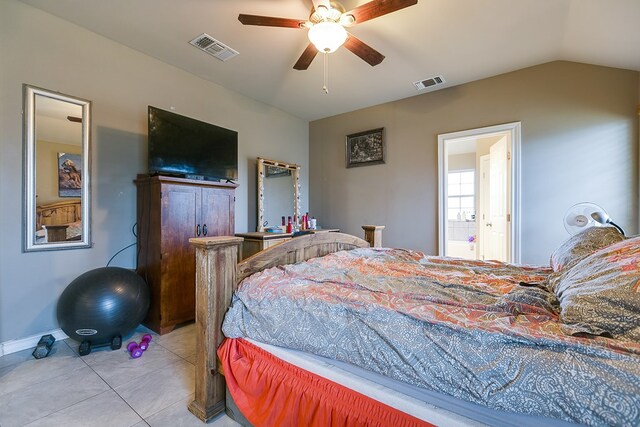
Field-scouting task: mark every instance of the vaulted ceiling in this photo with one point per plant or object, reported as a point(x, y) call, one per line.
point(461, 40)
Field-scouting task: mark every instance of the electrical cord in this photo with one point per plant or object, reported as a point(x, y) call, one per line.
point(135, 234)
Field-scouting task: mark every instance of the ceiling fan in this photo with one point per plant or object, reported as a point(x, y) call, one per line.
point(326, 26)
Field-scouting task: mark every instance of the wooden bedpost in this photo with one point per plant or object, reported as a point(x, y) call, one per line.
point(216, 259)
point(373, 235)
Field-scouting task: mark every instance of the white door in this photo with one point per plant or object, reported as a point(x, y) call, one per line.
point(498, 194)
point(483, 207)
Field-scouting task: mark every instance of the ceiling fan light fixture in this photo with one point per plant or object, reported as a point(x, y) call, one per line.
point(346, 20)
point(322, 12)
point(327, 36)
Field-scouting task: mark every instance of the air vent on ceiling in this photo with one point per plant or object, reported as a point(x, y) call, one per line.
point(433, 81)
point(213, 47)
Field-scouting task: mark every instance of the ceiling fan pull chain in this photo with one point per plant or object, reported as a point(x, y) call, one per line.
point(325, 87)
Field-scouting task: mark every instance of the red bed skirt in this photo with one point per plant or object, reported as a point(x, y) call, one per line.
point(272, 392)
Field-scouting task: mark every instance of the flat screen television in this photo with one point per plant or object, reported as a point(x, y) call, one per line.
point(186, 147)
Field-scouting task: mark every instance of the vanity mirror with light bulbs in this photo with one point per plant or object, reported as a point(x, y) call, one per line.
point(278, 192)
point(56, 207)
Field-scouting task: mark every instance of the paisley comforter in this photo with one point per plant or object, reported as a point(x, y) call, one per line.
point(470, 329)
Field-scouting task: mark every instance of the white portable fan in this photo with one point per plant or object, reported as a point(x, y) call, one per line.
point(584, 215)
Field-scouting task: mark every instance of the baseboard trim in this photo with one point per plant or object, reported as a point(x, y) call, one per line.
point(13, 346)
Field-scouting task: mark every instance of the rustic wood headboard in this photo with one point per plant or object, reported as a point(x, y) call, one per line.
point(58, 213)
point(217, 275)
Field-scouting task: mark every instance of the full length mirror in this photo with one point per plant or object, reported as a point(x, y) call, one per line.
point(278, 192)
point(56, 171)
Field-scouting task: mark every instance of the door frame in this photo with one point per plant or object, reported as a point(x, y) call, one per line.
point(482, 207)
point(514, 129)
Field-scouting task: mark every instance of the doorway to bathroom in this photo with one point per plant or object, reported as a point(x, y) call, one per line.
point(479, 180)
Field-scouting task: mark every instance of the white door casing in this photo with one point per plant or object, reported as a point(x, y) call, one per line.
point(513, 185)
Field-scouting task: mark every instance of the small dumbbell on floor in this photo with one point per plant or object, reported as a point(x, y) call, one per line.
point(44, 346)
point(146, 340)
point(136, 349)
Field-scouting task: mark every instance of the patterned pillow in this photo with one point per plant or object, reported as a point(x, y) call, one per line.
point(601, 294)
point(583, 244)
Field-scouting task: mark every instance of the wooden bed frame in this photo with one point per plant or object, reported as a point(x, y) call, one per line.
point(58, 213)
point(218, 273)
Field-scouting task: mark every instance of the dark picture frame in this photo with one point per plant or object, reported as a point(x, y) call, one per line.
point(365, 148)
point(69, 175)
point(276, 171)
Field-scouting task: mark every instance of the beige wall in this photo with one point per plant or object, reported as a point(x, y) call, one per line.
point(45, 51)
point(579, 142)
point(464, 161)
point(47, 167)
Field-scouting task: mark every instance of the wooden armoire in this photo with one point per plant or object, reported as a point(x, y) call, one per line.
point(170, 211)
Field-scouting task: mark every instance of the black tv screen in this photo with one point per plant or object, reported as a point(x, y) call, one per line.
point(187, 147)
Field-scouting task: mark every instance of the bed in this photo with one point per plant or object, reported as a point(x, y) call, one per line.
point(567, 336)
point(60, 221)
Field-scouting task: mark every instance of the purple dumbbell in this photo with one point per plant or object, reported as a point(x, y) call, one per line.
point(134, 349)
point(144, 344)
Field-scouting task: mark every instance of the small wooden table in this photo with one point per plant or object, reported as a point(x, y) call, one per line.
point(56, 233)
point(256, 241)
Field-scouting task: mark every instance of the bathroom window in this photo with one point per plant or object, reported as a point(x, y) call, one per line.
point(461, 195)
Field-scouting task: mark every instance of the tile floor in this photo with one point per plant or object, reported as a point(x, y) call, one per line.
point(104, 388)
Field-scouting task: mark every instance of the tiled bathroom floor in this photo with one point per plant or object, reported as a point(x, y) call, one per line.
point(104, 388)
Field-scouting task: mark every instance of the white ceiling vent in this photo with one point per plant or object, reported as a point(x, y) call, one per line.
point(433, 81)
point(213, 47)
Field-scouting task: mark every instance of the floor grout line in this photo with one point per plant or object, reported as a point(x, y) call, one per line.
point(34, 383)
point(66, 407)
point(178, 352)
point(115, 392)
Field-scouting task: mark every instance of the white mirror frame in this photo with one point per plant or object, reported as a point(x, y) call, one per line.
point(29, 178)
point(295, 169)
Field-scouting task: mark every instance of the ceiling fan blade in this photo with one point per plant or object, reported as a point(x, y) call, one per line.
point(307, 56)
point(269, 21)
point(363, 50)
point(377, 8)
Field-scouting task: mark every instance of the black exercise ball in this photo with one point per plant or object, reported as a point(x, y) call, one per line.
point(103, 304)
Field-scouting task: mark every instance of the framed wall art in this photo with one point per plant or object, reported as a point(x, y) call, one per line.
point(69, 175)
point(365, 148)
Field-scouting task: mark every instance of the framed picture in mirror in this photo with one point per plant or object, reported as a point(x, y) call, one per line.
point(275, 171)
point(69, 175)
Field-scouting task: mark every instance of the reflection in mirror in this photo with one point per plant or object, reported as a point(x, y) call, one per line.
point(56, 137)
point(278, 192)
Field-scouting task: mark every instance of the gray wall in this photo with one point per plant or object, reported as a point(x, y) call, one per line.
point(579, 143)
point(44, 51)
point(279, 199)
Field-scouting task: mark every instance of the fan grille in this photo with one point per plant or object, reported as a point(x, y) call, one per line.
point(579, 217)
